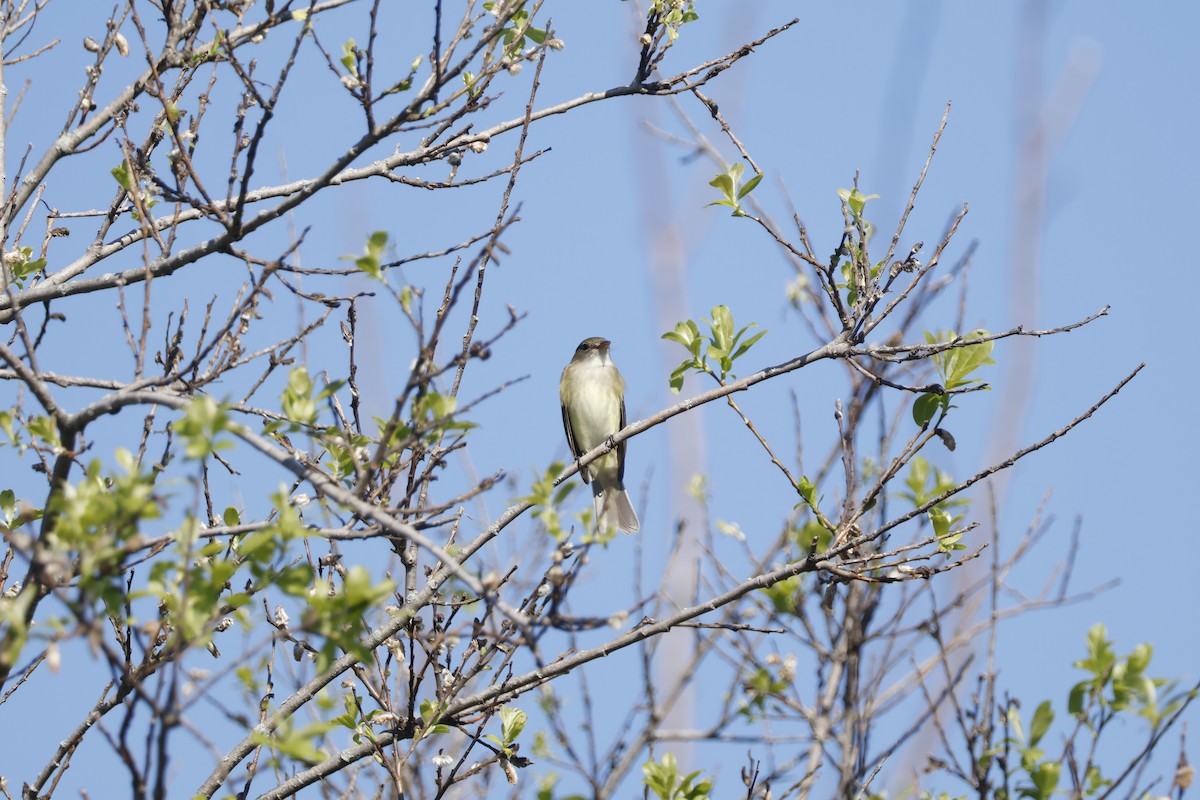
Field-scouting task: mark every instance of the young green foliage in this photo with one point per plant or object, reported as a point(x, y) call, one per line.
point(856, 201)
point(545, 789)
point(723, 346)
point(468, 79)
point(431, 712)
point(953, 366)
point(857, 275)
point(512, 722)
point(44, 430)
point(808, 496)
point(124, 176)
point(728, 183)
point(296, 743)
point(6, 427)
point(406, 83)
point(193, 589)
point(97, 524)
point(674, 15)
point(1041, 774)
point(356, 718)
point(760, 686)
point(664, 780)
point(350, 56)
point(514, 35)
point(197, 588)
point(371, 261)
point(786, 596)
point(1117, 684)
point(338, 613)
point(345, 447)
point(925, 483)
point(8, 508)
point(812, 537)
point(200, 426)
point(22, 264)
point(433, 414)
point(297, 401)
point(942, 522)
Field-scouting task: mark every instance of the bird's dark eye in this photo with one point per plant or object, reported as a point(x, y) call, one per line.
point(583, 346)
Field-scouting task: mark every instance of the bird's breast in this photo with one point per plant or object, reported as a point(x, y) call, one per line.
point(596, 406)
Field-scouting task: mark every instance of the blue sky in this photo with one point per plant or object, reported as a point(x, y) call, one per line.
point(851, 87)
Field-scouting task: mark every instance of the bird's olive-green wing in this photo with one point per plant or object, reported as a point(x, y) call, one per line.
point(575, 452)
point(621, 448)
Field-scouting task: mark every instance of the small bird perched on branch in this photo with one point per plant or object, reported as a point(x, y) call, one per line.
point(593, 409)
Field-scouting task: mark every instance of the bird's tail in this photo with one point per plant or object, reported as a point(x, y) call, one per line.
point(614, 509)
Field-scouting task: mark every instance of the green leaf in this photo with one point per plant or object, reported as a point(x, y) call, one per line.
point(813, 537)
point(727, 183)
point(746, 345)
point(512, 722)
point(685, 333)
point(1100, 653)
point(8, 506)
point(1077, 697)
point(121, 174)
point(200, 426)
point(749, 186)
point(722, 328)
point(377, 243)
point(956, 364)
point(1139, 659)
point(371, 262)
point(721, 346)
point(676, 379)
point(297, 744)
point(45, 429)
point(784, 595)
point(468, 78)
point(295, 580)
point(1014, 723)
point(546, 499)
point(1042, 717)
point(1045, 778)
point(808, 491)
point(297, 400)
point(855, 200)
point(924, 407)
point(350, 57)
point(940, 521)
point(430, 714)
point(1095, 781)
point(661, 777)
point(664, 781)
point(330, 390)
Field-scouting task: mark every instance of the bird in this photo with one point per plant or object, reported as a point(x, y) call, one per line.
point(592, 393)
